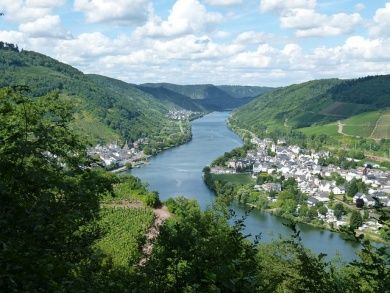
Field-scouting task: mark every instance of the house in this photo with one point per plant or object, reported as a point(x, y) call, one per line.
point(369, 201)
point(322, 196)
point(338, 190)
point(326, 186)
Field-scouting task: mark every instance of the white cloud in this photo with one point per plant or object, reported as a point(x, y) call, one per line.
point(381, 25)
point(186, 17)
point(281, 5)
point(223, 2)
point(22, 11)
point(309, 23)
point(251, 37)
point(122, 12)
point(360, 6)
point(48, 26)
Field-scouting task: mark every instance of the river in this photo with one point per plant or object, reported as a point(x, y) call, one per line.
point(178, 171)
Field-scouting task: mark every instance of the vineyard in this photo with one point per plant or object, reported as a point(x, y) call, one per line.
point(124, 233)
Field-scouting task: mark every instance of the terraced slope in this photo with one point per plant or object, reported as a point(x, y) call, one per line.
point(320, 104)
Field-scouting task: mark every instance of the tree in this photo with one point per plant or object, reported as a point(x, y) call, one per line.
point(312, 213)
point(199, 252)
point(352, 188)
point(339, 211)
point(356, 219)
point(322, 210)
point(359, 203)
point(49, 196)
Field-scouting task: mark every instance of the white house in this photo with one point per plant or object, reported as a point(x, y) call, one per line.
point(338, 190)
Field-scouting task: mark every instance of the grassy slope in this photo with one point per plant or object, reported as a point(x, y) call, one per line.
point(361, 125)
point(319, 104)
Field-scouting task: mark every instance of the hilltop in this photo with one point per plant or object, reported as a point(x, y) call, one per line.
point(207, 96)
point(320, 103)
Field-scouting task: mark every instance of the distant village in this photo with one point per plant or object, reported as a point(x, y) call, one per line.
point(183, 114)
point(303, 165)
point(113, 156)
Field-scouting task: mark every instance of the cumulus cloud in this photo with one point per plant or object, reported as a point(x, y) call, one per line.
point(310, 23)
point(186, 17)
point(122, 12)
point(381, 26)
point(48, 26)
point(282, 5)
point(22, 11)
point(223, 2)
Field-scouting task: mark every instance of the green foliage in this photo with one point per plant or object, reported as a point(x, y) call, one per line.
point(355, 220)
point(105, 109)
point(315, 107)
point(355, 186)
point(199, 252)
point(339, 210)
point(132, 189)
point(236, 153)
point(204, 96)
point(49, 196)
point(124, 233)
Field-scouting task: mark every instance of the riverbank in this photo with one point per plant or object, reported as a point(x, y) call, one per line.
point(178, 172)
point(309, 196)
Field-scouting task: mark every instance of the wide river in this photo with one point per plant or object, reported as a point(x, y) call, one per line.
point(178, 171)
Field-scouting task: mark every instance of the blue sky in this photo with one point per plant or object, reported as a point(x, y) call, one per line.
point(254, 42)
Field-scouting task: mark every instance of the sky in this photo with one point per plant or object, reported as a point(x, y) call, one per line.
point(238, 42)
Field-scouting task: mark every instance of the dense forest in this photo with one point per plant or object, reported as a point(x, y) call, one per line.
point(65, 226)
point(211, 97)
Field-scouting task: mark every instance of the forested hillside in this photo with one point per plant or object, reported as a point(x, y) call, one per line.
point(211, 97)
point(120, 109)
point(315, 102)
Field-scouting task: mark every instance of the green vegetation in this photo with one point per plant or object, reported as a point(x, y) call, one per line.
point(319, 110)
point(234, 178)
point(205, 96)
point(57, 235)
point(239, 152)
point(131, 188)
point(105, 108)
point(124, 233)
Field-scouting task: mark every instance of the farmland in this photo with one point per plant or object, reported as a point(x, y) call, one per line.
point(124, 230)
point(382, 128)
point(373, 124)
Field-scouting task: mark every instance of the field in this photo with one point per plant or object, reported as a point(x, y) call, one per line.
point(382, 129)
point(373, 124)
point(234, 178)
point(125, 229)
point(328, 129)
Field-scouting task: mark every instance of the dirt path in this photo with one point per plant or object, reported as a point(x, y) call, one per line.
point(160, 216)
point(340, 127)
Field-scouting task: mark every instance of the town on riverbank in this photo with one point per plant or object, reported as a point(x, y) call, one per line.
point(305, 185)
point(118, 157)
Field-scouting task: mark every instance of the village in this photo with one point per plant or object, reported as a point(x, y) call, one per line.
point(117, 158)
point(313, 179)
point(183, 114)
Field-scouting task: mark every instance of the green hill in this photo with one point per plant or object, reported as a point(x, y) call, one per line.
point(314, 103)
point(105, 108)
point(211, 97)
